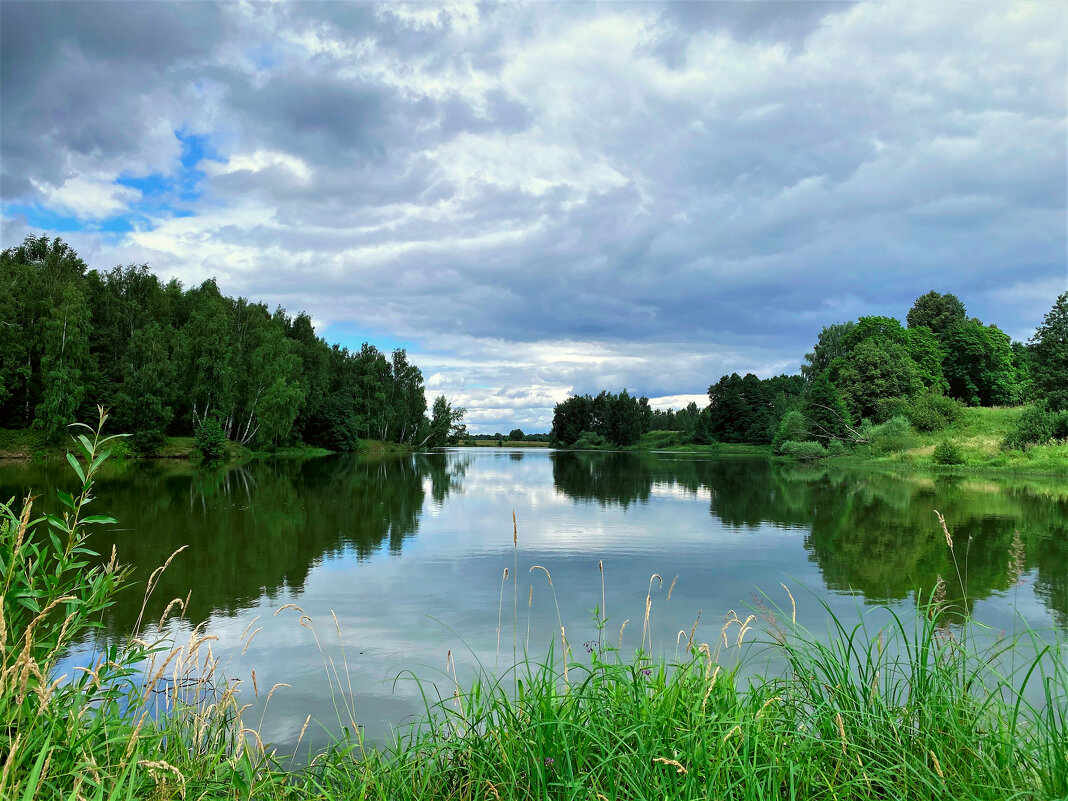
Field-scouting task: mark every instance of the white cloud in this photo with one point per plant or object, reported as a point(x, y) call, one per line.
point(90, 197)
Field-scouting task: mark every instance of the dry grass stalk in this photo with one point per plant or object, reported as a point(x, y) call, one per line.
point(153, 580)
point(1017, 562)
point(945, 529)
point(648, 608)
point(674, 763)
point(745, 627)
point(689, 642)
point(711, 686)
point(937, 766)
point(793, 604)
point(671, 589)
point(768, 703)
point(841, 730)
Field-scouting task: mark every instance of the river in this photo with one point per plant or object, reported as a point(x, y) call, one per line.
point(410, 552)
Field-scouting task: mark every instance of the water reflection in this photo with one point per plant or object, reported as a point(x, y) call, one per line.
point(252, 530)
point(870, 532)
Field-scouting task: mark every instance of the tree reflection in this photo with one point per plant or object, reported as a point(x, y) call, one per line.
point(869, 531)
point(255, 529)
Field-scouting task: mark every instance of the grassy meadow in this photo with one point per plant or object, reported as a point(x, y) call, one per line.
point(927, 706)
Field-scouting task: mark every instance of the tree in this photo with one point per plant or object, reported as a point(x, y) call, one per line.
point(142, 400)
point(875, 370)
point(64, 361)
point(516, 435)
point(829, 346)
point(1049, 347)
point(939, 313)
point(446, 425)
point(978, 365)
point(825, 413)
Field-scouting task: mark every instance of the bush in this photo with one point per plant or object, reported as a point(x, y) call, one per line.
point(588, 440)
point(804, 451)
point(210, 440)
point(889, 408)
point(837, 448)
point(892, 436)
point(933, 412)
point(947, 452)
point(792, 428)
point(1036, 426)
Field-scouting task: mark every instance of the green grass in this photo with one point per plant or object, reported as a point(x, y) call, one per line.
point(925, 707)
point(979, 434)
point(672, 441)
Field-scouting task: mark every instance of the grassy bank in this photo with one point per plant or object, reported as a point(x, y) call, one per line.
point(920, 709)
point(975, 440)
point(27, 444)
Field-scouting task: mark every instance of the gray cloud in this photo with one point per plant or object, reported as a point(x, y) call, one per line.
point(682, 189)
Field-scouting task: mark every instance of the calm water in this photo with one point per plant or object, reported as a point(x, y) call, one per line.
point(409, 554)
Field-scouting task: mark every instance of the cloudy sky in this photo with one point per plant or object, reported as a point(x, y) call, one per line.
point(539, 199)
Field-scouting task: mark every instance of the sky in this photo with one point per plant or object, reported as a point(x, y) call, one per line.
point(537, 200)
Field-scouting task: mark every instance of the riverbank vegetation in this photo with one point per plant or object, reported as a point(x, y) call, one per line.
point(924, 707)
point(172, 362)
point(942, 390)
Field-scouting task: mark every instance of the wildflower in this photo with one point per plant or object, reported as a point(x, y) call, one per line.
point(647, 671)
point(549, 762)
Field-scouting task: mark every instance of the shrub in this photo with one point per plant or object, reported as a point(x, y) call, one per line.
point(1035, 426)
point(933, 412)
point(892, 436)
point(889, 408)
point(210, 440)
point(792, 428)
point(804, 451)
point(589, 439)
point(837, 448)
point(947, 452)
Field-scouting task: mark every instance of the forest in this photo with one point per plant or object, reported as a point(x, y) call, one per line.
point(863, 380)
point(170, 361)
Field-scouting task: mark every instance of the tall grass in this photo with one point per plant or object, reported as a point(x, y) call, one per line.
point(924, 707)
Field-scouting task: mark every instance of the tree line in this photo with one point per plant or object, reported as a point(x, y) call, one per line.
point(170, 361)
point(859, 373)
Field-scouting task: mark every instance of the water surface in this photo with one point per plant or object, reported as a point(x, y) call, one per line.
point(409, 554)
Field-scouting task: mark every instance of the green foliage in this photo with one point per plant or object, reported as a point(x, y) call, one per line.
point(890, 437)
point(1050, 355)
point(939, 313)
point(829, 346)
point(445, 427)
point(875, 370)
point(979, 364)
point(746, 410)
point(826, 415)
point(947, 453)
point(792, 428)
point(64, 360)
point(1037, 426)
point(804, 451)
point(210, 440)
point(588, 440)
point(933, 412)
point(516, 435)
point(165, 359)
point(619, 419)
